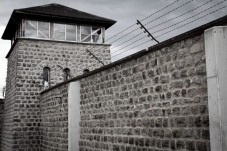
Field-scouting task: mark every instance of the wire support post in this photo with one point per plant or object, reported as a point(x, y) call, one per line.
point(146, 31)
point(90, 53)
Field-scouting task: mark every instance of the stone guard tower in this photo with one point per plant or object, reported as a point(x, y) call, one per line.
point(50, 44)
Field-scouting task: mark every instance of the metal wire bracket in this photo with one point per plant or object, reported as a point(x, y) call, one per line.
point(146, 31)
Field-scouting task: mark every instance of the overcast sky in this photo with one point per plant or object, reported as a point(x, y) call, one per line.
point(125, 12)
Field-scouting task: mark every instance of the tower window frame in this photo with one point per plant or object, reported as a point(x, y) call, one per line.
point(86, 71)
point(36, 28)
point(66, 74)
point(65, 32)
point(46, 76)
point(70, 32)
point(92, 32)
point(40, 31)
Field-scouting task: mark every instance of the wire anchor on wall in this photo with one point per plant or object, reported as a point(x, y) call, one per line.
point(146, 31)
point(90, 53)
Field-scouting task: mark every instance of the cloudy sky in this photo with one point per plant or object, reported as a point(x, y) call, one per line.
point(125, 12)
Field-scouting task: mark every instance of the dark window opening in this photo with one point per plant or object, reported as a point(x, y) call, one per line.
point(86, 71)
point(66, 74)
point(46, 76)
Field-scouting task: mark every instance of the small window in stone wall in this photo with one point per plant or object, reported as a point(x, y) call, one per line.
point(46, 77)
point(66, 74)
point(86, 71)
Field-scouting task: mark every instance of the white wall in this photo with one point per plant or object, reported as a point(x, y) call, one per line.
point(216, 63)
point(73, 116)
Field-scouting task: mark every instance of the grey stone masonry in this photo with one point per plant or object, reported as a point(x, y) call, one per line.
point(1, 117)
point(54, 120)
point(25, 82)
point(9, 116)
point(157, 102)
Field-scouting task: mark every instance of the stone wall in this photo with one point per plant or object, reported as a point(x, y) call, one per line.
point(24, 83)
point(10, 118)
point(37, 54)
point(1, 117)
point(157, 102)
point(54, 120)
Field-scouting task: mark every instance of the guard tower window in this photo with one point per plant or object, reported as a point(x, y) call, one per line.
point(71, 33)
point(85, 34)
point(57, 31)
point(66, 74)
point(37, 29)
point(96, 35)
point(46, 76)
point(91, 34)
point(43, 30)
point(65, 32)
point(31, 29)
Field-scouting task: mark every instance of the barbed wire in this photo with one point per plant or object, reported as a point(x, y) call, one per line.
point(133, 47)
point(168, 12)
point(126, 41)
point(130, 44)
point(142, 20)
point(160, 24)
point(192, 21)
point(159, 10)
point(189, 17)
point(126, 29)
point(152, 21)
point(125, 35)
point(180, 15)
point(172, 30)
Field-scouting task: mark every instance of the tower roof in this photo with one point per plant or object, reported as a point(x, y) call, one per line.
point(53, 13)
